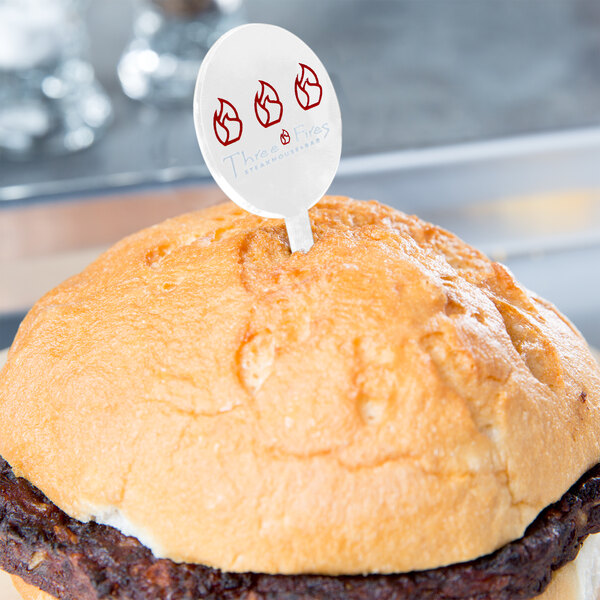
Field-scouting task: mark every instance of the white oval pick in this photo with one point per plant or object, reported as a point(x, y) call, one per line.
point(268, 123)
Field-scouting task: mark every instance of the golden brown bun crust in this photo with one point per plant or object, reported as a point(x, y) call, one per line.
point(29, 592)
point(391, 400)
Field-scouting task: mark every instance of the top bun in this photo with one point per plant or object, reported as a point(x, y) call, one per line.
point(391, 400)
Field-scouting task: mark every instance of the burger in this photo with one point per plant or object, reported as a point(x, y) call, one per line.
point(201, 414)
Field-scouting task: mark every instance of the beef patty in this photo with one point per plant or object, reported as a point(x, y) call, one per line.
point(87, 561)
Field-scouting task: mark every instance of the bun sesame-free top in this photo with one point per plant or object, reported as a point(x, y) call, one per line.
point(390, 401)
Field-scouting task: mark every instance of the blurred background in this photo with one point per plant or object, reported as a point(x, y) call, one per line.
point(481, 116)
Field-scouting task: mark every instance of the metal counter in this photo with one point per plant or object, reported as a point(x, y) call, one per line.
point(409, 75)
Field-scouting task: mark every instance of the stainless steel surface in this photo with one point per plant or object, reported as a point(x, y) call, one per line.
point(408, 75)
point(533, 203)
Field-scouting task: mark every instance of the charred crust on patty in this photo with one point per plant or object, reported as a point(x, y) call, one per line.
point(87, 561)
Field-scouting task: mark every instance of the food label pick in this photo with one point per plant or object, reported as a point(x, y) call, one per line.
point(268, 123)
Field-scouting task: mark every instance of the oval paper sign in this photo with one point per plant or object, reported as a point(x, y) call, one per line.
point(268, 124)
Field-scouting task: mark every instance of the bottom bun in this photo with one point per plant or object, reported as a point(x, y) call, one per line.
point(29, 592)
point(564, 586)
point(577, 580)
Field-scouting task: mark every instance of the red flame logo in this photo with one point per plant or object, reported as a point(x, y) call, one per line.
point(284, 137)
point(227, 123)
point(267, 106)
point(308, 90)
